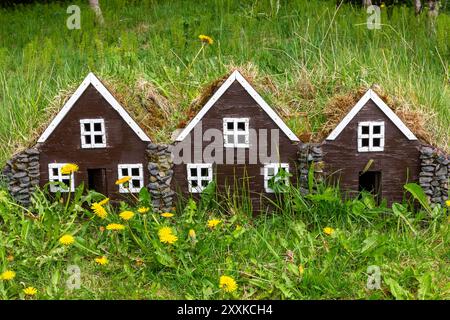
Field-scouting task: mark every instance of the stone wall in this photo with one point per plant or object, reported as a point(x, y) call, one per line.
point(160, 169)
point(434, 174)
point(21, 175)
point(309, 154)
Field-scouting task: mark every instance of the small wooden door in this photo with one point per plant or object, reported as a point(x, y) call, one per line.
point(370, 181)
point(97, 180)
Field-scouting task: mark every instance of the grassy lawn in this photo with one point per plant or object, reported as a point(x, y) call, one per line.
point(300, 55)
point(316, 247)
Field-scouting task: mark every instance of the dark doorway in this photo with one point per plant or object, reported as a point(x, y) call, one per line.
point(370, 181)
point(97, 180)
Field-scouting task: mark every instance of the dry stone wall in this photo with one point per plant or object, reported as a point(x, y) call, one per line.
point(309, 154)
point(21, 175)
point(434, 174)
point(160, 169)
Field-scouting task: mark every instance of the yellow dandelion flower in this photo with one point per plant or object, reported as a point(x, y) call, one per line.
point(123, 180)
point(139, 262)
point(192, 234)
point(66, 240)
point(8, 275)
point(143, 210)
point(104, 201)
point(30, 291)
point(301, 270)
point(166, 235)
point(101, 261)
point(167, 215)
point(447, 203)
point(69, 168)
point(115, 226)
point(99, 210)
point(168, 238)
point(328, 230)
point(205, 39)
point(165, 230)
point(213, 223)
point(126, 215)
point(227, 284)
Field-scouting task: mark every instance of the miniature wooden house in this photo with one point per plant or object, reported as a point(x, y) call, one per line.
point(371, 149)
point(236, 139)
point(243, 130)
point(95, 132)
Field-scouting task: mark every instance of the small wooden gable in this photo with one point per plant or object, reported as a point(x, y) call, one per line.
point(236, 76)
point(371, 95)
point(92, 80)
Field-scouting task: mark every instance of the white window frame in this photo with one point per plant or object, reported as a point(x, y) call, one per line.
point(199, 178)
point(370, 136)
point(275, 167)
point(59, 178)
point(92, 133)
point(140, 177)
point(235, 133)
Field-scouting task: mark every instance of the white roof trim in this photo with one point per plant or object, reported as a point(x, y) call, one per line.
point(252, 92)
point(370, 94)
point(92, 79)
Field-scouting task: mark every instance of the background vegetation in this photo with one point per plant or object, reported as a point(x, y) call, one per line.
point(301, 55)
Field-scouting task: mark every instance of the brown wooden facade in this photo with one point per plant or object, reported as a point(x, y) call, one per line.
point(385, 171)
point(236, 102)
point(391, 168)
point(98, 167)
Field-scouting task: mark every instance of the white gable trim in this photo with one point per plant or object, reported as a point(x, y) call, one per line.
point(92, 79)
point(252, 92)
point(370, 94)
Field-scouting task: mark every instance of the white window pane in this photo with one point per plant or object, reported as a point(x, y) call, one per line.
point(365, 142)
point(204, 172)
point(199, 175)
point(97, 126)
point(98, 138)
point(205, 183)
point(376, 142)
point(236, 132)
point(136, 173)
point(376, 129)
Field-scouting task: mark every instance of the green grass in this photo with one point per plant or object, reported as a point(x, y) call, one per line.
point(309, 52)
point(286, 255)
